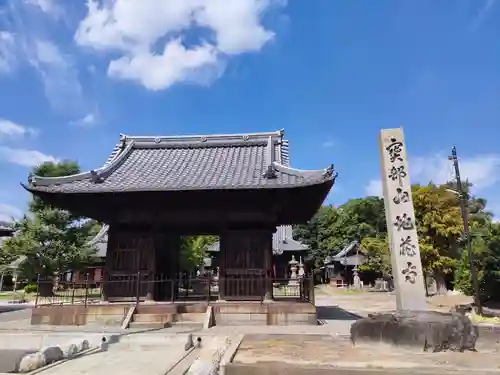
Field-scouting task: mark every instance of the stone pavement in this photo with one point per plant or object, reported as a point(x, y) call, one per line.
point(123, 359)
point(366, 302)
point(153, 351)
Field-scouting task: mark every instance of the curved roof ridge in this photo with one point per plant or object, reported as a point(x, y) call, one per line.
point(116, 151)
point(325, 173)
point(284, 153)
point(95, 174)
point(99, 236)
point(204, 137)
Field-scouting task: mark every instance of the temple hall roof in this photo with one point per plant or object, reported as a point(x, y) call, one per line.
point(282, 241)
point(230, 161)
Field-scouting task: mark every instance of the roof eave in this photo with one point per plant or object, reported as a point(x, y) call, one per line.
point(95, 174)
point(98, 237)
point(318, 175)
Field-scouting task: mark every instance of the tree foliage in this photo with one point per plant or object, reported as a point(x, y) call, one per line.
point(52, 240)
point(193, 250)
point(439, 226)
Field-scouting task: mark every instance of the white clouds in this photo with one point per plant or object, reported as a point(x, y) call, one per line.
point(135, 29)
point(329, 144)
point(50, 7)
point(23, 157)
point(7, 51)
point(58, 74)
point(48, 53)
point(33, 24)
point(8, 212)
point(27, 158)
point(482, 171)
point(87, 121)
point(9, 129)
point(175, 64)
point(374, 188)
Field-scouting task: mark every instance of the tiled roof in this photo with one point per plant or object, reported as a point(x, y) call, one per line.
point(282, 241)
point(241, 161)
point(100, 241)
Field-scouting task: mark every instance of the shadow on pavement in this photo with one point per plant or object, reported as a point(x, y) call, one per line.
point(335, 313)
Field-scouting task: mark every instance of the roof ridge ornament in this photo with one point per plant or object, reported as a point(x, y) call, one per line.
point(270, 153)
point(123, 141)
point(329, 172)
point(96, 177)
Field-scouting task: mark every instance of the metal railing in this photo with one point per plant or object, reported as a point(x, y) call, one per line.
point(139, 288)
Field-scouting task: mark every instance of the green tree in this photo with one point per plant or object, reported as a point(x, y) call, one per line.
point(50, 169)
point(491, 266)
point(317, 234)
point(193, 250)
point(52, 240)
point(486, 252)
point(439, 226)
point(377, 257)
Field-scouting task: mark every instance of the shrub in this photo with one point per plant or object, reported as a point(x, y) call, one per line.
point(30, 288)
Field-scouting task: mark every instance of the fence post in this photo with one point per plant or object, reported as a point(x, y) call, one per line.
point(209, 286)
point(37, 288)
point(172, 289)
point(73, 293)
point(86, 288)
point(311, 291)
point(138, 288)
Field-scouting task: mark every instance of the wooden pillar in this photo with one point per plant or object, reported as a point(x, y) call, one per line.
point(267, 249)
point(167, 252)
point(108, 263)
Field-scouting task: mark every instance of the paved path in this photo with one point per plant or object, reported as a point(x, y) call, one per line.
point(123, 359)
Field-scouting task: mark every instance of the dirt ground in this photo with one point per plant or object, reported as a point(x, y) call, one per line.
point(366, 302)
point(338, 352)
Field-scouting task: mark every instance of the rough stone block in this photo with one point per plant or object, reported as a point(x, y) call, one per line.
point(52, 354)
point(69, 350)
point(210, 357)
point(424, 329)
point(189, 342)
point(31, 362)
point(82, 345)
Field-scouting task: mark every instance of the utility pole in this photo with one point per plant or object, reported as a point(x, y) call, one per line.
point(464, 201)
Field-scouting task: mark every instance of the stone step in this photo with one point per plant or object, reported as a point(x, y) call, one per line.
point(153, 318)
point(148, 325)
point(177, 326)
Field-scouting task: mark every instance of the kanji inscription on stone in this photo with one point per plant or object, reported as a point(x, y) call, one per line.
point(401, 225)
point(403, 222)
point(410, 273)
point(406, 247)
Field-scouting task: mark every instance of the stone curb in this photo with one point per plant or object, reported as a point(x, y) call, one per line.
point(486, 327)
point(51, 355)
point(229, 354)
point(64, 360)
point(210, 357)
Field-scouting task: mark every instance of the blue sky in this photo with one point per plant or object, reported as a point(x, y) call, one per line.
point(332, 73)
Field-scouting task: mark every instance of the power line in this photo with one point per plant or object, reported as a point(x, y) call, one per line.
point(464, 201)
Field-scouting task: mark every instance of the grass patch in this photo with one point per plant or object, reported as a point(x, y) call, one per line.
point(16, 296)
point(483, 319)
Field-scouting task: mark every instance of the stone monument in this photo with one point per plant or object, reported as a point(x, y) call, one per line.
point(357, 283)
point(293, 271)
point(401, 228)
point(302, 272)
point(411, 325)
